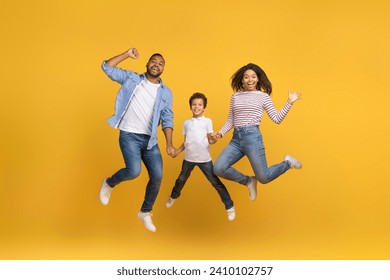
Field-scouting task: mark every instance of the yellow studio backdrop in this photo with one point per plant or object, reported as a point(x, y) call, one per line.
point(56, 147)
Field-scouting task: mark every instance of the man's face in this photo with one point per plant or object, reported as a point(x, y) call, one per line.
point(155, 66)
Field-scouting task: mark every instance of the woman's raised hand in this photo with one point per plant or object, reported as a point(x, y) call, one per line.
point(294, 96)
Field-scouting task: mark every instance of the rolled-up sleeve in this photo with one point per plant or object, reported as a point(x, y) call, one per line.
point(116, 74)
point(167, 114)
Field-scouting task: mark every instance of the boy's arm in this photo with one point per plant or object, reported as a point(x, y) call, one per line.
point(181, 148)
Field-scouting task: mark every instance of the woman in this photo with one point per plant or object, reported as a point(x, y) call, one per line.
point(251, 98)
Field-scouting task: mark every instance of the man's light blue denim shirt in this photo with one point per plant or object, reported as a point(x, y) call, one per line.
point(129, 80)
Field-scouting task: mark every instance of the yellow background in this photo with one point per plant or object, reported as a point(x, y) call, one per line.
point(56, 146)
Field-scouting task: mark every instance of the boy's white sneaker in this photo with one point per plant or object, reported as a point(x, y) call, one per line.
point(146, 218)
point(231, 213)
point(252, 187)
point(294, 163)
point(105, 192)
point(170, 202)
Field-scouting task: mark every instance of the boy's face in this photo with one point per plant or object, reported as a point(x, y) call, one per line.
point(197, 107)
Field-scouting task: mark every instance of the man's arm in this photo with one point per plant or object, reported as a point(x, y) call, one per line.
point(117, 74)
point(114, 61)
point(168, 131)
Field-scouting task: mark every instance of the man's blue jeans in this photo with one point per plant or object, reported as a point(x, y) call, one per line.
point(247, 141)
point(134, 150)
point(207, 169)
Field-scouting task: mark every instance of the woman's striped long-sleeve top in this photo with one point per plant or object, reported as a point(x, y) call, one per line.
point(247, 108)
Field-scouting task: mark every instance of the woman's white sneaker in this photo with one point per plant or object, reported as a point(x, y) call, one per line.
point(294, 163)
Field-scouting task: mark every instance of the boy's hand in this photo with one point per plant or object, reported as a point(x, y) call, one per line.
point(177, 152)
point(212, 136)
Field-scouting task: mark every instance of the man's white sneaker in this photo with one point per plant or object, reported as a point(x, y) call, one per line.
point(231, 213)
point(105, 192)
point(294, 163)
point(170, 202)
point(252, 187)
point(146, 218)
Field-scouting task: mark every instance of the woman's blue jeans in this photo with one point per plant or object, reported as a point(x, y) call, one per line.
point(207, 169)
point(247, 141)
point(134, 150)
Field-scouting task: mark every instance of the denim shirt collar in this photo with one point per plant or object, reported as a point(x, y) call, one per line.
point(143, 77)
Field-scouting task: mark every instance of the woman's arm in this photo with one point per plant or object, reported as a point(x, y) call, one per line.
point(229, 122)
point(278, 117)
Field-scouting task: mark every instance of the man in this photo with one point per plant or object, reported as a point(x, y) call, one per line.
point(142, 103)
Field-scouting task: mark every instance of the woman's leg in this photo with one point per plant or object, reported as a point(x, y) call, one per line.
point(253, 148)
point(229, 156)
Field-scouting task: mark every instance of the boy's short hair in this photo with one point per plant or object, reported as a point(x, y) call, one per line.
point(198, 95)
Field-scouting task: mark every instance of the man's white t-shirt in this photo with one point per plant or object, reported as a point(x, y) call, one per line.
point(138, 117)
point(197, 148)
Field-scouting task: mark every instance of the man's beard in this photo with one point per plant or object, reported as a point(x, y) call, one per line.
point(153, 75)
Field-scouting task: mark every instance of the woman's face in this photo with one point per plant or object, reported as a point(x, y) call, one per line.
point(250, 80)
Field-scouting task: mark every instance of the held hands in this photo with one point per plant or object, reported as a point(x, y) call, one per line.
point(293, 96)
point(214, 136)
point(172, 151)
point(133, 53)
point(176, 153)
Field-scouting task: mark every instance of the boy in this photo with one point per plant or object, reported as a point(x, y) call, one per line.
point(197, 137)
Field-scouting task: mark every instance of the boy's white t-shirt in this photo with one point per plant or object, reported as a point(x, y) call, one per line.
point(197, 148)
point(138, 117)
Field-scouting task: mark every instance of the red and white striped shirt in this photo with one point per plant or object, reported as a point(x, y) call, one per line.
point(247, 108)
